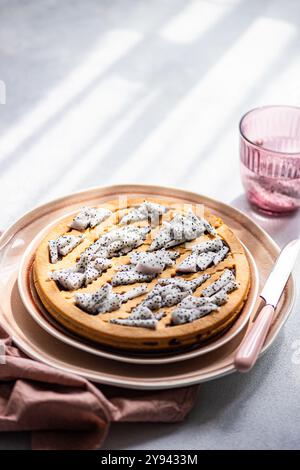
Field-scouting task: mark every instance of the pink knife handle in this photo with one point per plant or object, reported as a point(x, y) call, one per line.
point(253, 342)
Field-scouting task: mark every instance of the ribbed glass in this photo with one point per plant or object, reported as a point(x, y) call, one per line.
point(270, 157)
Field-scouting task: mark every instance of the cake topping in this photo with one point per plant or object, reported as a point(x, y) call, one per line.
point(184, 284)
point(203, 255)
point(192, 308)
point(221, 297)
point(210, 245)
point(220, 255)
point(187, 315)
point(149, 263)
point(182, 228)
point(131, 277)
point(141, 317)
point(62, 246)
point(205, 259)
point(105, 300)
point(119, 241)
point(144, 266)
point(164, 294)
point(89, 217)
point(146, 211)
point(85, 271)
point(94, 260)
point(172, 290)
point(68, 279)
point(226, 278)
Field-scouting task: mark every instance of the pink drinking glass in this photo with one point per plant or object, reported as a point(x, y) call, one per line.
point(270, 157)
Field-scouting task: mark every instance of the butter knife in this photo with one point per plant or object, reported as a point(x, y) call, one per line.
point(253, 342)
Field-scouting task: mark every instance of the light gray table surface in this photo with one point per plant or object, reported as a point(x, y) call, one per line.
point(103, 92)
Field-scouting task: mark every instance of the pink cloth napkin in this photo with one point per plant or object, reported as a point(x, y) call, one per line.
point(65, 411)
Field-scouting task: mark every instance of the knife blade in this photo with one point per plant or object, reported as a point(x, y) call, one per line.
point(280, 273)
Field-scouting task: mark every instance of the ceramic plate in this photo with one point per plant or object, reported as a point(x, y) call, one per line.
point(39, 344)
point(44, 319)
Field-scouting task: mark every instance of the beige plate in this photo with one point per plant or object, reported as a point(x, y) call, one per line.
point(45, 320)
point(37, 343)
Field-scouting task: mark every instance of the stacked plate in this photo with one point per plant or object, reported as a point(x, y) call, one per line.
point(38, 335)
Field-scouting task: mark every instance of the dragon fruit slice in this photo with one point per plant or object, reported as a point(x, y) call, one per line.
point(68, 279)
point(194, 302)
point(224, 279)
point(189, 264)
point(162, 257)
point(114, 247)
point(130, 277)
point(159, 315)
point(98, 215)
point(151, 323)
point(118, 241)
point(147, 210)
point(67, 243)
point(113, 302)
point(205, 259)
point(163, 291)
point(209, 245)
point(220, 255)
point(62, 246)
point(184, 315)
point(101, 264)
point(94, 269)
point(105, 300)
point(153, 303)
point(183, 283)
point(141, 312)
point(192, 308)
point(198, 281)
point(231, 286)
point(137, 256)
point(151, 265)
point(133, 293)
point(175, 298)
point(84, 260)
point(91, 274)
point(85, 271)
point(161, 239)
point(182, 228)
point(134, 215)
point(129, 248)
point(203, 255)
point(141, 317)
point(155, 263)
point(219, 298)
point(89, 217)
point(208, 227)
point(81, 221)
point(126, 267)
point(91, 302)
point(171, 291)
point(144, 267)
point(158, 295)
point(53, 251)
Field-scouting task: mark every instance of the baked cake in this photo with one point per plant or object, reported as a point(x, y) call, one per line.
point(155, 275)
